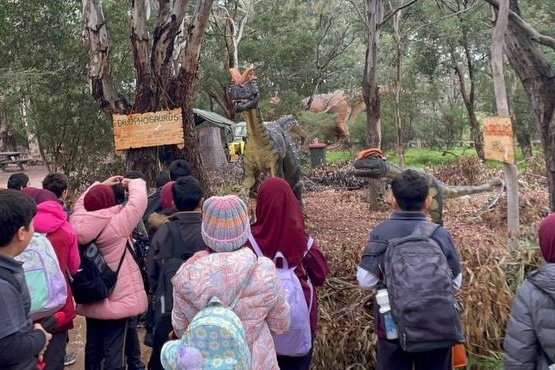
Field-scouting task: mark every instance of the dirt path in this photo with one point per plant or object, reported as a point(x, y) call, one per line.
point(35, 173)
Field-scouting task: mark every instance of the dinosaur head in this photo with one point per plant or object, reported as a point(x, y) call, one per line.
point(370, 163)
point(243, 89)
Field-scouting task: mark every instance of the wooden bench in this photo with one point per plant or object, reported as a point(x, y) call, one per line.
point(18, 162)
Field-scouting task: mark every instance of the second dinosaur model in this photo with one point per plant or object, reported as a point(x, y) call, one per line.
point(268, 149)
point(372, 163)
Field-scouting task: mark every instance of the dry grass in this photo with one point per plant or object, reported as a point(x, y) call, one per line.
point(340, 222)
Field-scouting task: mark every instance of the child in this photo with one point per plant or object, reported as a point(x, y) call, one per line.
point(187, 196)
point(280, 227)
point(21, 342)
point(232, 273)
point(51, 220)
point(531, 327)
point(409, 199)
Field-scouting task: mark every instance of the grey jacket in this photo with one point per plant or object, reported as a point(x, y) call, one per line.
point(530, 335)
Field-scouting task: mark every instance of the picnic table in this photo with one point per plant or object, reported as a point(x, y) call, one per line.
point(8, 158)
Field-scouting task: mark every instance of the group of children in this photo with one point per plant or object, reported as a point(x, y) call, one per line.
point(206, 248)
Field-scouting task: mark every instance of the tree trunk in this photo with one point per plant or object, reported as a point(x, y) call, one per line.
point(3, 123)
point(185, 86)
point(398, 83)
point(503, 110)
point(371, 93)
point(537, 76)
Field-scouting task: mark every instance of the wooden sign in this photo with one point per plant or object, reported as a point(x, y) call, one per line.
point(498, 139)
point(148, 129)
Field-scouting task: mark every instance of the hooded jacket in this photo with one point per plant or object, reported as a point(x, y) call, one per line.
point(51, 220)
point(530, 334)
point(261, 307)
point(111, 227)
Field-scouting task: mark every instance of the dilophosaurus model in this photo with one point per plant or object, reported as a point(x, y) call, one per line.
point(372, 163)
point(268, 149)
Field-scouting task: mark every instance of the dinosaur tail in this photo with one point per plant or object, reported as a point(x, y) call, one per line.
point(449, 192)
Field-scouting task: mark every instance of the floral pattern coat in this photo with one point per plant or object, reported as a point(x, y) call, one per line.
point(262, 306)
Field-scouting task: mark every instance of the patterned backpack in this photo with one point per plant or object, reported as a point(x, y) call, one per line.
point(297, 341)
point(217, 332)
point(45, 280)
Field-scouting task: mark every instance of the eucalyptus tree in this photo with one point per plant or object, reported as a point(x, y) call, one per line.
point(530, 53)
point(42, 61)
point(165, 62)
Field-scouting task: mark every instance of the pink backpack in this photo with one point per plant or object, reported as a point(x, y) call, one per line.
point(298, 340)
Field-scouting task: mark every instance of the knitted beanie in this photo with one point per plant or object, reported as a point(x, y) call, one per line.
point(99, 197)
point(225, 223)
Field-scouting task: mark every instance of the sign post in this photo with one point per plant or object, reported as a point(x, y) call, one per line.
point(498, 139)
point(148, 129)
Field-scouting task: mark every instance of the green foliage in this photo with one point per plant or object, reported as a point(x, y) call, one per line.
point(492, 362)
point(341, 156)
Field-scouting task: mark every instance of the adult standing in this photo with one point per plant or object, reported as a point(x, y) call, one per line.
point(97, 217)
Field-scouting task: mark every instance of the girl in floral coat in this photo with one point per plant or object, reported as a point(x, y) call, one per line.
point(226, 268)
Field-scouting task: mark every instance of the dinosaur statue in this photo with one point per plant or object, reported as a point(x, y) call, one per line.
point(342, 105)
point(372, 163)
point(268, 149)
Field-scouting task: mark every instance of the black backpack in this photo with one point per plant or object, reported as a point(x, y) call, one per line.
point(95, 280)
point(163, 297)
point(421, 293)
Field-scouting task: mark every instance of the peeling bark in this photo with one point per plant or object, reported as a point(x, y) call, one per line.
point(538, 78)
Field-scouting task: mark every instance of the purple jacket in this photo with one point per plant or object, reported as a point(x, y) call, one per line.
point(111, 227)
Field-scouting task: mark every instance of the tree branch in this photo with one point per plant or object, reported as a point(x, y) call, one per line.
point(526, 27)
point(392, 12)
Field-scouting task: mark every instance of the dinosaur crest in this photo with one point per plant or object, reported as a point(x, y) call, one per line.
point(370, 163)
point(244, 90)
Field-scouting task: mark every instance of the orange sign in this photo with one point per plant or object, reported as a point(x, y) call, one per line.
point(498, 139)
point(148, 129)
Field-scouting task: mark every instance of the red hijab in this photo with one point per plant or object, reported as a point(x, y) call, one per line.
point(279, 222)
point(166, 194)
point(39, 195)
point(546, 235)
point(99, 197)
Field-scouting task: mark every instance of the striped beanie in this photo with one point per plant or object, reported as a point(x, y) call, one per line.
point(225, 223)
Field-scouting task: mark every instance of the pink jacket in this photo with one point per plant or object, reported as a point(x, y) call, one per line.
point(111, 227)
point(51, 219)
point(262, 307)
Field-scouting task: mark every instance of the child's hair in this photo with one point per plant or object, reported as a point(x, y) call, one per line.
point(162, 179)
point(18, 181)
point(56, 183)
point(179, 168)
point(16, 210)
point(119, 193)
point(410, 189)
point(135, 175)
point(187, 193)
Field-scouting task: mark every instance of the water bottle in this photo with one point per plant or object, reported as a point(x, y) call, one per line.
point(389, 324)
point(382, 298)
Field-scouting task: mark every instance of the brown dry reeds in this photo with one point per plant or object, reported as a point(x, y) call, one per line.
point(491, 275)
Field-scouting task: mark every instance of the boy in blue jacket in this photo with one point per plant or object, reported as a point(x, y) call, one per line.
point(21, 342)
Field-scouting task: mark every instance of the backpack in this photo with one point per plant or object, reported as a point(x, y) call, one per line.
point(139, 251)
point(218, 333)
point(421, 294)
point(163, 296)
point(95, 280)
point(297, 341)
point(45, 280)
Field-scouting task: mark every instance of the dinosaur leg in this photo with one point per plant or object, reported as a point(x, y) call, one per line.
point(250, 181)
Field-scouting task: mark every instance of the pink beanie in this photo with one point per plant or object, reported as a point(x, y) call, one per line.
point(166, 194)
